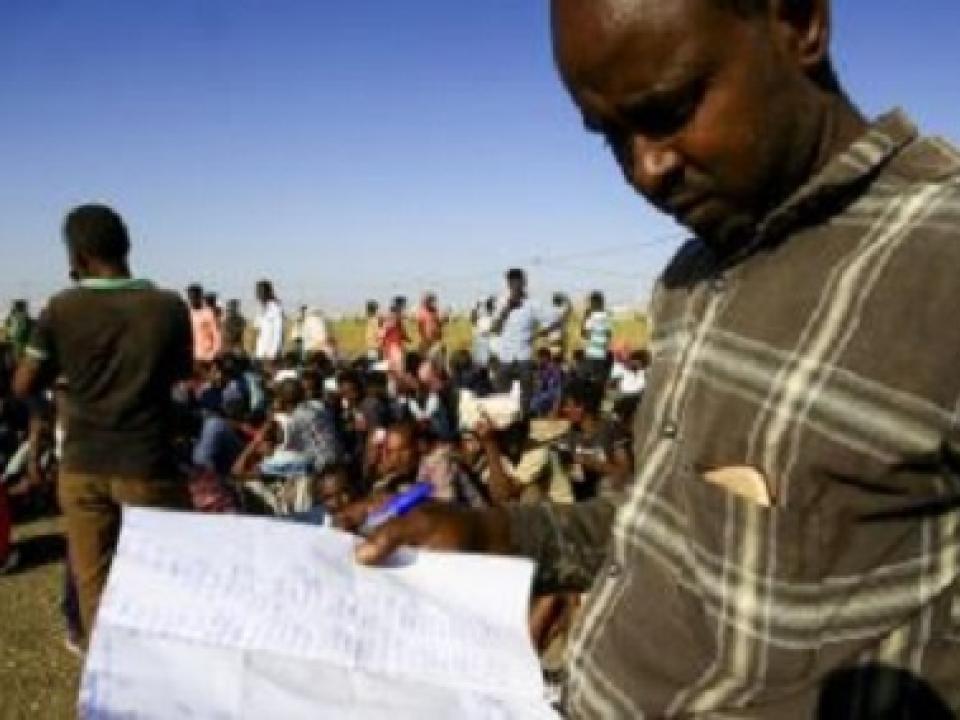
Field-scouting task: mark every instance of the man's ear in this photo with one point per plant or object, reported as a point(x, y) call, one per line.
point(803, 29)
point(78, 266)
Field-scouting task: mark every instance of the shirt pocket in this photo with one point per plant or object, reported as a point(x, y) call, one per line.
point(757, 571)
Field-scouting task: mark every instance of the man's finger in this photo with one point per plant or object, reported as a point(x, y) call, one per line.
point(355, 514)
point(380, 545)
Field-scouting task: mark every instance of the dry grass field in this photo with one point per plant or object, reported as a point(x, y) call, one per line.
point(38, 677)
point(631, 328)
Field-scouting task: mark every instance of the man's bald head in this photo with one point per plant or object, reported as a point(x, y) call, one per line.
point(714, 109)
point(742, 7)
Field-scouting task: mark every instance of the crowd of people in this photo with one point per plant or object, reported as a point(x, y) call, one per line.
point(197, 409)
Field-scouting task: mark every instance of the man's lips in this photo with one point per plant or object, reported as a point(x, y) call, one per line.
point(682, 206)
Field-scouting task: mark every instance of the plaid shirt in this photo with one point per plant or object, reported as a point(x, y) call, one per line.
point(827, 357)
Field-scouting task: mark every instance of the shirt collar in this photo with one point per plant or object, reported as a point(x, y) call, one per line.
point(843, 177)
point(115, 284)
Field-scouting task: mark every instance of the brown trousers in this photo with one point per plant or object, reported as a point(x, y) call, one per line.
point(91, 506)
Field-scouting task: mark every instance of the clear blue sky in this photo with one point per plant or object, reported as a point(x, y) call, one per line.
point(354, 149)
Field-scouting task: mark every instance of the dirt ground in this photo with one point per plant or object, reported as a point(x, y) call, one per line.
point(38, 677)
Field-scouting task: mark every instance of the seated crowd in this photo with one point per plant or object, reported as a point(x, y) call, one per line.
point(303, 436)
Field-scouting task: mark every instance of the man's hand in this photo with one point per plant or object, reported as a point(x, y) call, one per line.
point(436, 527)
point(34, 472)
point(485, 430)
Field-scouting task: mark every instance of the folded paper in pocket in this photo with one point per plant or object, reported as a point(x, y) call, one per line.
point(746, 482)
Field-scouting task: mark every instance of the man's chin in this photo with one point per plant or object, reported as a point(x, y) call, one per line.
point(723, 234)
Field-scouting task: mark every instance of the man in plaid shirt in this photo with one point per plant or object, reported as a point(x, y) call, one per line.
point(790, 547)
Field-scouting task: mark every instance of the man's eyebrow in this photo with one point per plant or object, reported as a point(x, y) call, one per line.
point(664, 94)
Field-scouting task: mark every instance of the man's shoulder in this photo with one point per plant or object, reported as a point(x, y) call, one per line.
point(162, 299)
point(925, 173)
point(65, 298)
point(924, 178)
point(927, 160)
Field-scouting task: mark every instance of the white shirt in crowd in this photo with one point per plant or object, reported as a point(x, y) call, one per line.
point(628, 382)
point(314, 331)
point(599, 327)
point(270, 332)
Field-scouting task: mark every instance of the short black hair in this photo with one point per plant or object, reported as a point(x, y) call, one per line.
point(97, 232)
point(194, 289)
point(586, 394)
point(350, 377)
point(376, 381)
point(516, 274)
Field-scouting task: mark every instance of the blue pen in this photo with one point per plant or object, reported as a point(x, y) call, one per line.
point(398, 506)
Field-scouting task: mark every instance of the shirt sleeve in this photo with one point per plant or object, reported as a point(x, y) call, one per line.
point(203, 451)
point(531, 468)
point(41, 347)
point(569, 543)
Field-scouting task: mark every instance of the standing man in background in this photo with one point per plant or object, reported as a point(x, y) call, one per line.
point(597, 334)
point(19, 327)
point(269, 325)
point(120, 344)
point(372, 331)
point(518, 322)
point(557, 337)
point(481, 320)
point(211, 301)
point(207, 341)
point(315, 334)
point(234, 328)
point(430, 327)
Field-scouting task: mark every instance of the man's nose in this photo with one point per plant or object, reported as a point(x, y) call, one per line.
point(653, 166)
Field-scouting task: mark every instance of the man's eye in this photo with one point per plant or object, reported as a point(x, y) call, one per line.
point(661, 122)
point(665, 115)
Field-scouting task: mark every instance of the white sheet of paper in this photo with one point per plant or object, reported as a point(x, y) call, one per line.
point(225, 617)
